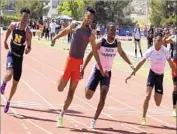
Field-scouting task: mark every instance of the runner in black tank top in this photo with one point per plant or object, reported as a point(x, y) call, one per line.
point(17, 45)
point(21, 37)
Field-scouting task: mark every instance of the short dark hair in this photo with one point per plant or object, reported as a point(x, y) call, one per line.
point(159, 34)
point(91, 10)
point(110, 24)
point(25, 10)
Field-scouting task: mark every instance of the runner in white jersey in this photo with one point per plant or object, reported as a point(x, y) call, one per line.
point(158, 55)
point(107, 49)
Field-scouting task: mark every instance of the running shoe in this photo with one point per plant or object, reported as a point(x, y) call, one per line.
point(173, 114)
point(3, 86)
point(143, 121)
point(6, 108)
point(60, 121)
point(93, 124)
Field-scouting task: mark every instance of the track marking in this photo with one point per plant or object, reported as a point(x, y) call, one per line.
point(19, 117)
point(60, 72)
point(109, 116)
point(126, 91)
point(49, 104)
point(154, 118)
point(26, 104)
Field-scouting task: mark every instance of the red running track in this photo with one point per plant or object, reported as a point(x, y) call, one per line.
point(37, 102)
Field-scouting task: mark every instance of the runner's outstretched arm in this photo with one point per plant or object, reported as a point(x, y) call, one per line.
point(136, 69)
point(95, 52)
point(124, 55)
point(88, 58)
point(64, 32)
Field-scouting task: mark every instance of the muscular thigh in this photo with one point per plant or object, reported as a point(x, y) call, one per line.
point(17, 69)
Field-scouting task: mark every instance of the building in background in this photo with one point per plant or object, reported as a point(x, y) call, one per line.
point(52, 9)
point(9, 8)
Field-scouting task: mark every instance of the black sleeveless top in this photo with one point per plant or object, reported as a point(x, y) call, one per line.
point(18, 40)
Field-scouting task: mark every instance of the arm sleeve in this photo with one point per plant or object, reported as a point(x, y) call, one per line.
point(147, 53)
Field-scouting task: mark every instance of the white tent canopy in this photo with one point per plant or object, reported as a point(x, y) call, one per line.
point(64, 17)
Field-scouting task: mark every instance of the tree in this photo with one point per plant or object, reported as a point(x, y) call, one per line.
point(2, 4)
point(72, 8)
point(35, 6)
point(115, 11)
point(156, 13)
point(106, 11)
point(163, 12)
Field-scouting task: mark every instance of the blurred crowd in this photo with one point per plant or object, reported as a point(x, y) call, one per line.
point(48, 28)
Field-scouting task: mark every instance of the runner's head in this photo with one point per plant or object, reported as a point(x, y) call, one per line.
point(159, 39)
point(88, 17)
point(111, 28)
point(24, 16)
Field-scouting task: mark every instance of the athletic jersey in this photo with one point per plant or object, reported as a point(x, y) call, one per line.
point(79, 42)
point(107, 53)
point(157, 58)
point(174, 39)
point(17, 45)
point(137, 33)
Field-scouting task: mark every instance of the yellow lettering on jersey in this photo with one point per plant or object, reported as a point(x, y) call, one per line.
point(17, 39)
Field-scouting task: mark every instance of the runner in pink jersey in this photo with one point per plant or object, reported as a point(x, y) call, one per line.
point(158, 55)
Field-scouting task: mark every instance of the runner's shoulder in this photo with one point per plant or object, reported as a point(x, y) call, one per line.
point(13, 25)
point(28, 32)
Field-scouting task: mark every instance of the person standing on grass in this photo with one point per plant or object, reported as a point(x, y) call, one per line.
point(137, 39)
point(53, 27)
point(150, 36)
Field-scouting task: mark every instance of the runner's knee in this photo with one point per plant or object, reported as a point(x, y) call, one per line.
point(88, 96)
point(89, 93)
point(148, 97)
point(8, 75)
point(157, 103)
point(14, 85)
point(60, 88)
point(61, 85)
